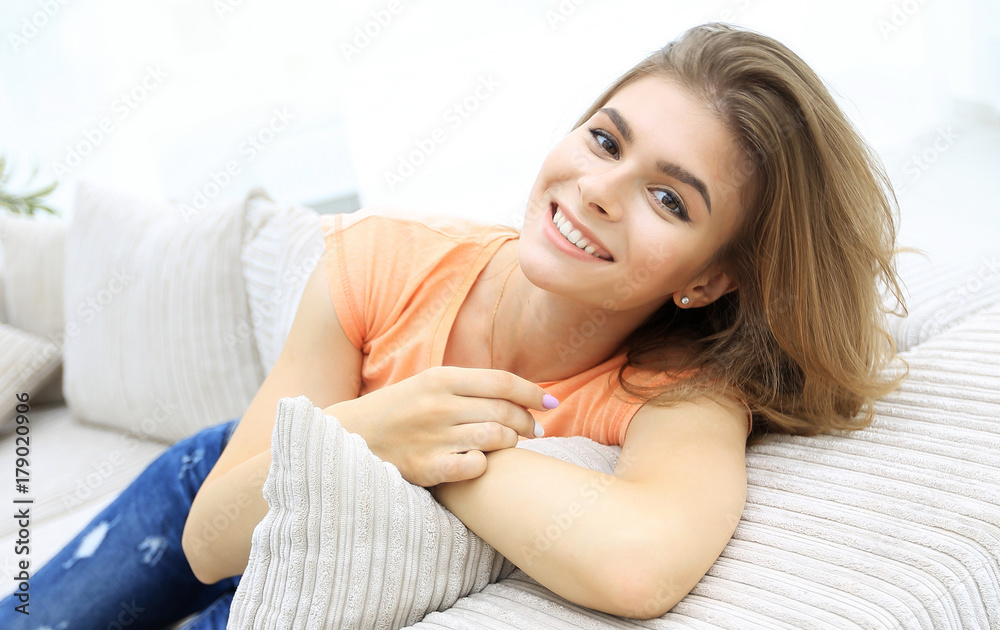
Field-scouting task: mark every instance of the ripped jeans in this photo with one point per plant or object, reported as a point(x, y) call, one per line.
point(126, 569)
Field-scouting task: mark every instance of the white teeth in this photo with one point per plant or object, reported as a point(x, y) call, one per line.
point(573, 235)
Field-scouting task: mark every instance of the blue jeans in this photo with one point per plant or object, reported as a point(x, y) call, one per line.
point(126, 569)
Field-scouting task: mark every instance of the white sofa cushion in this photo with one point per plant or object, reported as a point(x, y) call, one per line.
point(281, 247)
point(892, 526)
point(3, 272)
point(155, 300)
point(34, 252)
point(27, 363)
point(348, 543)
point(942, 295)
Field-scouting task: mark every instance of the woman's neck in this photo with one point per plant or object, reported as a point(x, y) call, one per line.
point(544, 337)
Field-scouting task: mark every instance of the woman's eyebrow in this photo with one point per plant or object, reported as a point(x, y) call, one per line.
point(667, 168)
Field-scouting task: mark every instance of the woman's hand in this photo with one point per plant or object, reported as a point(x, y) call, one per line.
point(435, 426)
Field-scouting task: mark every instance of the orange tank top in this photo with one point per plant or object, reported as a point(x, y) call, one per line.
point(397, 284)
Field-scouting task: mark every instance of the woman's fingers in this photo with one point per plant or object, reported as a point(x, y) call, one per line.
point(436, 425)
point(510, 395)
point(489, 383)
point(484, 436)
point(456, 467)
point(472, 412)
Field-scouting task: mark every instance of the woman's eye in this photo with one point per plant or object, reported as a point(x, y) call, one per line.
point(669, 200)
point(606, 142)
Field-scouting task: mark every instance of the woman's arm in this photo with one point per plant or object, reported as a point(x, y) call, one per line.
point(433, 426)
point(317, 361)
point(633, 543)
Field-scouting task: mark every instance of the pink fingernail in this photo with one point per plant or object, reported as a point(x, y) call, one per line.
point(549, 401)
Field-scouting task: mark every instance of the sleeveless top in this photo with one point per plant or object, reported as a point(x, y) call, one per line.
point(397, 284)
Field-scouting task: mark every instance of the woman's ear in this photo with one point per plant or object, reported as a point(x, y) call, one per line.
point(707, 290)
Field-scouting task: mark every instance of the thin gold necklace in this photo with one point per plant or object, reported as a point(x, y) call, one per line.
point(493, 323)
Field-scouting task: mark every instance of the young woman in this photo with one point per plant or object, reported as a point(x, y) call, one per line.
point(702, 262)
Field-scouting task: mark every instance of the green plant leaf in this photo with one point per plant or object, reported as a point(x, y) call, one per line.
point(27, 203)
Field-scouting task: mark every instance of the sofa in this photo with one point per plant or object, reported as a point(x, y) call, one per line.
point(138, 322)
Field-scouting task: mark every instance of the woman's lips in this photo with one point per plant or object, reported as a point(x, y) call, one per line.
point(560, 241)
point(576, 233)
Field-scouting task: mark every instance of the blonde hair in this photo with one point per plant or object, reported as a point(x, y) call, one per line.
point(803, 340)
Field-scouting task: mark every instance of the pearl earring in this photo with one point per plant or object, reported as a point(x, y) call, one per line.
point(685, 300)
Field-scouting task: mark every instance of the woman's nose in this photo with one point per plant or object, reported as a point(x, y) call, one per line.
point(602, 192)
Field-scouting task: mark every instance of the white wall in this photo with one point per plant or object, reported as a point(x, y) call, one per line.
point(220, 72)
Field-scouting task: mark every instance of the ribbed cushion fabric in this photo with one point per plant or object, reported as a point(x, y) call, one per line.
point(31, 288)
point(158, 300)
point(27, 363)
point(894, 526)
point(3, 271)
point(282, 245)
point(941, 295)
point(347, 542)
point(34, 252)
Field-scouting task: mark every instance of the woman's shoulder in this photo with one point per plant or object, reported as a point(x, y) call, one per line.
point(389, 222)
point(652, 385)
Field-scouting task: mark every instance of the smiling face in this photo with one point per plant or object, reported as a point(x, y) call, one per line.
point(649, 185)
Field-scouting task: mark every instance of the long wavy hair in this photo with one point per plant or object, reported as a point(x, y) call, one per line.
point(803, 340)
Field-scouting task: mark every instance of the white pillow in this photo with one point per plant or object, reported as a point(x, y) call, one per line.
point(27, 363)
point(894, 526)
point(3, 299)
point(897, 522)
point(941, 295)
point(154, 302)
point(348, 543)
point(281, 247)
point(32, 262)
point(34, 252)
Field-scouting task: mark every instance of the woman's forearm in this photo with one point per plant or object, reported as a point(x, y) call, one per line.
point(584, 535)
point(220, 525)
